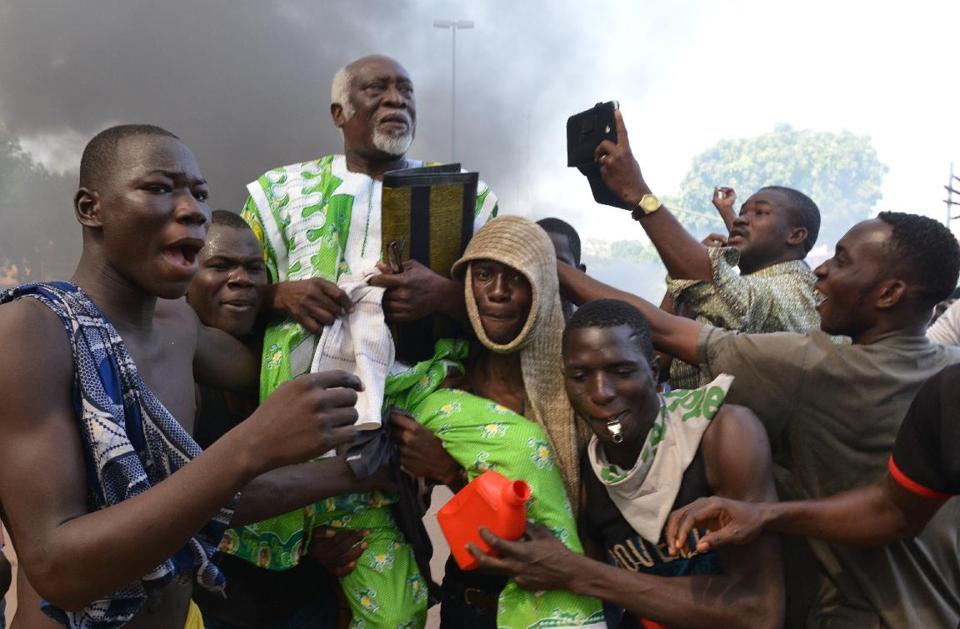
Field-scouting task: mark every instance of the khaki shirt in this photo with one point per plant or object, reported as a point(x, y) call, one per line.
point(833, 412)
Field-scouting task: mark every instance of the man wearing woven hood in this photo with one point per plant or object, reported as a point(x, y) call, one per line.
point(499, 403)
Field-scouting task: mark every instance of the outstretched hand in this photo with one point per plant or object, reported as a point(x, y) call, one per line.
point(728, 522)
point(416, 292)
point(618, 167)
point(302, 419)
point(724, 199)
point(538, 562)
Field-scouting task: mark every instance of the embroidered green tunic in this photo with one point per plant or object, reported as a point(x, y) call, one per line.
point(318, 219)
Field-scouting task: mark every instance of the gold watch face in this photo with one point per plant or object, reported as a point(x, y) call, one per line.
point(649, 204)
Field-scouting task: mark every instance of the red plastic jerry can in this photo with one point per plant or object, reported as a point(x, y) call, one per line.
point(492, 501)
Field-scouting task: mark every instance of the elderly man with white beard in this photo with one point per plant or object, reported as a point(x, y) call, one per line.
point(329, 208)
point(320, 220)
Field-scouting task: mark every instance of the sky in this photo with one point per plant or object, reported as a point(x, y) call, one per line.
point(246, 85)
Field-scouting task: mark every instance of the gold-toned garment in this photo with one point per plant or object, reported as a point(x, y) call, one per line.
point(194, 617)
point(778, 298)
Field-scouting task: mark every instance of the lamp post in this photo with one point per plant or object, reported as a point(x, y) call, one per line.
point(453, 25)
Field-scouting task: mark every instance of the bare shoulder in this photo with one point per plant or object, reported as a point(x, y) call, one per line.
point(736, 451)
point(27, 314)
point(733, 422)
point(36, 379)
point(33, 340)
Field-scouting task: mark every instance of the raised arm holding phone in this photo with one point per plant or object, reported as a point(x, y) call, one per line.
point(752, 280)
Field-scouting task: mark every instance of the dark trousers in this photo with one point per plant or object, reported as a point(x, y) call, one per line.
point(468, 599)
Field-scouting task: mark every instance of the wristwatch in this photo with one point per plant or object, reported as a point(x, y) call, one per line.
point(647, 205)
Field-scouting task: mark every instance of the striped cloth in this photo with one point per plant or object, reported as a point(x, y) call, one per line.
point(359, 342)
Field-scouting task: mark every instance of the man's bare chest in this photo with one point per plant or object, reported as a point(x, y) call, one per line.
point(165, 364)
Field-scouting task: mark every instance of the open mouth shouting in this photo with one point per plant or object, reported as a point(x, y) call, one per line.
point(182, 255)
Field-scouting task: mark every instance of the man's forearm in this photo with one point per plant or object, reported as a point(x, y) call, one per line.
point(866, 516)
point(269, 308)
point(288, 488)
point(684, 257)
point(699, 601)
point(673, 335)
point(128, 540)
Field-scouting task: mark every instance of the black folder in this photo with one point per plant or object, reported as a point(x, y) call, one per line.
point(430, 211)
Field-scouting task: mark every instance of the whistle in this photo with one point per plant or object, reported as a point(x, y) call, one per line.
point(614, 428)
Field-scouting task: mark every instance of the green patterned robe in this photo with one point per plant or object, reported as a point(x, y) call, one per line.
point(482, 435)
point(317, 219)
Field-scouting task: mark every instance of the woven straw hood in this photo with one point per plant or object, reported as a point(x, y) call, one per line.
point(524, 246)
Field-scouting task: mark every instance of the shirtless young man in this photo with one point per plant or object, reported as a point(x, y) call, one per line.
point(142, 205)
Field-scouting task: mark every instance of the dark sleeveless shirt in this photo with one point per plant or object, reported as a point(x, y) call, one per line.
point(625, 549)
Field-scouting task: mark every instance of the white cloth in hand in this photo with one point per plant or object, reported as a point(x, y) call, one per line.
point(360, 343)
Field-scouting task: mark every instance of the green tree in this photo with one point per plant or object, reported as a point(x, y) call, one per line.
point(38, 234)
point(839, 171)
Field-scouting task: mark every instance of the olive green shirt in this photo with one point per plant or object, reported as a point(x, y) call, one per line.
point(833, 412)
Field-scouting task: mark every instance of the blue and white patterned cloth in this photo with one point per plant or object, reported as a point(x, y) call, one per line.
point(131, 442)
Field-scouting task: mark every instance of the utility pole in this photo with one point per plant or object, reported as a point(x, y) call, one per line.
point(949, 201)
point(453, 25)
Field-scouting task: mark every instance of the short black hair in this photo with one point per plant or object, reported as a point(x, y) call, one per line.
point(927, 251)
point(802, 211)
point(612, 313)
point(228, 219)
point(563, 228)
point(100, 152)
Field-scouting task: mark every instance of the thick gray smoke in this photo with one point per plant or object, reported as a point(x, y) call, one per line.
point(246, 83)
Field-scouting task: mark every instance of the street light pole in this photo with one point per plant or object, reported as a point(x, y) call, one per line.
point(453, 25)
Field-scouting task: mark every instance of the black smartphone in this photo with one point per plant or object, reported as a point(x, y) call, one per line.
point(585, 131)
point(588, 129)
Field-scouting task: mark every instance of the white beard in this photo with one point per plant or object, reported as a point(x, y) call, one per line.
point(396, 145)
